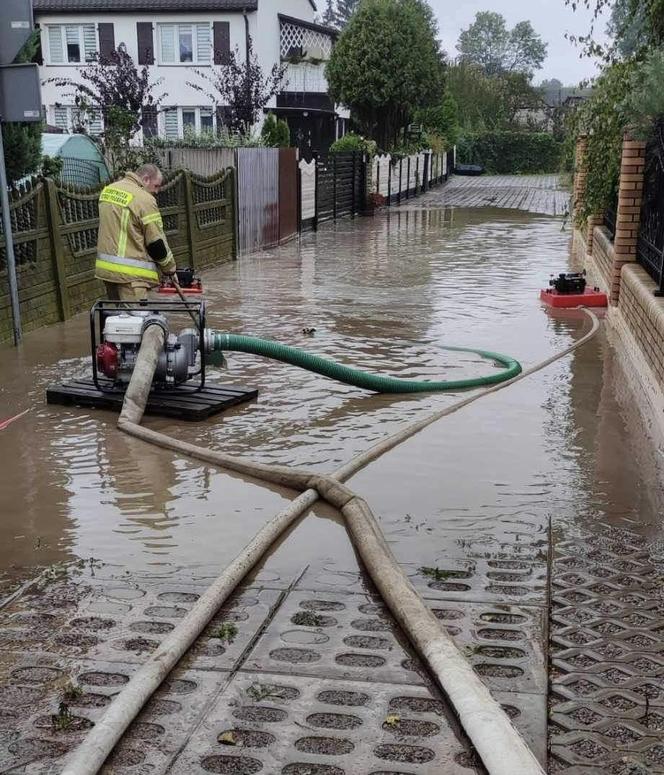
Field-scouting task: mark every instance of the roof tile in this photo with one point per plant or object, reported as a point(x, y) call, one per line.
point(77, 6)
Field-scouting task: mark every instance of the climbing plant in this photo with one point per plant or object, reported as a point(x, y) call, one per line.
point(603, 119)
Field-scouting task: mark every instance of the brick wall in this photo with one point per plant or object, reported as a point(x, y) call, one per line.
point(603, 256)
point(643, 314)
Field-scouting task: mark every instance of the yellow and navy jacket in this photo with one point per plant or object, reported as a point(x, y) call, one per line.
point(129, 221)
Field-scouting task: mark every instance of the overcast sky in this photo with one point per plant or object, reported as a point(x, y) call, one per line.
point(551, 19)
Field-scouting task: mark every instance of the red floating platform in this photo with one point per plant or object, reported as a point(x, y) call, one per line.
point(590, 298)
point(171, 289)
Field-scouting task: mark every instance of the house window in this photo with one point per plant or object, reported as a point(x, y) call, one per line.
point(177, 121)
point(68, 117)
point(184, 44)
point(71, 43)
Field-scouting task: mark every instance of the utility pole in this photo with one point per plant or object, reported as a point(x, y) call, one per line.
point(20, 101)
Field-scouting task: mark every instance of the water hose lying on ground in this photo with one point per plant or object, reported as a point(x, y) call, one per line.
point(221, 342)
point(499, 745)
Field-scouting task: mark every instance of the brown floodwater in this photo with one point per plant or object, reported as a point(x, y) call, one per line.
point(384, 294)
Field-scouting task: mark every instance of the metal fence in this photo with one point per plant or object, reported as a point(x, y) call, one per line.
point(340, 184)
point(258, 198)
point(650, 246)
point(610, 215)
point(82, 173)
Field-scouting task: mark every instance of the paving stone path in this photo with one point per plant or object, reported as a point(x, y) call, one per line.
point(306, 676)
point(543, 194)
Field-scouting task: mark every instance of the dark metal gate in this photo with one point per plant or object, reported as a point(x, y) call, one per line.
point(340, 184)
point(650, 246)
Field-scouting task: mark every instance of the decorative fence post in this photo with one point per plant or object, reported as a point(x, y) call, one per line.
point(580, 174)
point(628, 215)
point(334, 186)
point(630, 195)
point(57, 253)
point(191, 218)
point(408, 179)
point(316, 198)
point(389, 182)
point(352, 200)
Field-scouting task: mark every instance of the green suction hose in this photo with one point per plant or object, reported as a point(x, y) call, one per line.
point(280, 352)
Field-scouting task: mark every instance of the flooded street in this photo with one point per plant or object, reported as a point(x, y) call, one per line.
point(487, 495)
point(384, 295)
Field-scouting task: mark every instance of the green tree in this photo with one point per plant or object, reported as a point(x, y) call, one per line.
point(338, 12)
point(22, 142)
point(488, 102)
point(275, 134)
point(386, 65)
point(635, 26)
point(489, 44)
point(442, 119)
point(552, 91)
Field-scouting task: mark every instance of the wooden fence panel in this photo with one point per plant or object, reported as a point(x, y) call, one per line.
point(288, 193)
point(258, 198)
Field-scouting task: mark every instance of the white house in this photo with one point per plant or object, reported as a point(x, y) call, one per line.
point(176, 37)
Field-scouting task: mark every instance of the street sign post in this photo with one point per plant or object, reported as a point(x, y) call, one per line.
point(20, 101)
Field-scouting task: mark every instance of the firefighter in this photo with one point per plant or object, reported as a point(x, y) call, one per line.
point(131, 245)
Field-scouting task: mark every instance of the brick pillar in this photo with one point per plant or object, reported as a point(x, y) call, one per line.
point(628, 217)
point(580, 173)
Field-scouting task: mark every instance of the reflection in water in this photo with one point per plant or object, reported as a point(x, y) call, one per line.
point(384, 294)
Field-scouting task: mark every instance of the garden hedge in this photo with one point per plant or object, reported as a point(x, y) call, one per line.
point(510, 152)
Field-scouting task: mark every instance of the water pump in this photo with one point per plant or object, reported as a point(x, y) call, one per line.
point(117, 329)
point(116, 355)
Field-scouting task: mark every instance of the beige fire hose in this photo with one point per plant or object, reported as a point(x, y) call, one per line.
point(499, 745)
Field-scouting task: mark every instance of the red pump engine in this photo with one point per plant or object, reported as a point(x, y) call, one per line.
point(107, 359)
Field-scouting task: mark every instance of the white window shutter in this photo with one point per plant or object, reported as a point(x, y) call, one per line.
point(167, 42)
point(60, 116)
point(89, 40)
point(171, 128)
point(95, 124)
point(55, 47)
point(203, 43)
point(72, 33)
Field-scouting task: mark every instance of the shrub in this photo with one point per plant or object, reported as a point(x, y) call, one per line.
point(225, 138)
point(511, 152)
point(275, 134)
point(354, 142)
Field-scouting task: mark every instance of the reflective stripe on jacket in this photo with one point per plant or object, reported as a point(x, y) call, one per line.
point(129, 221)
